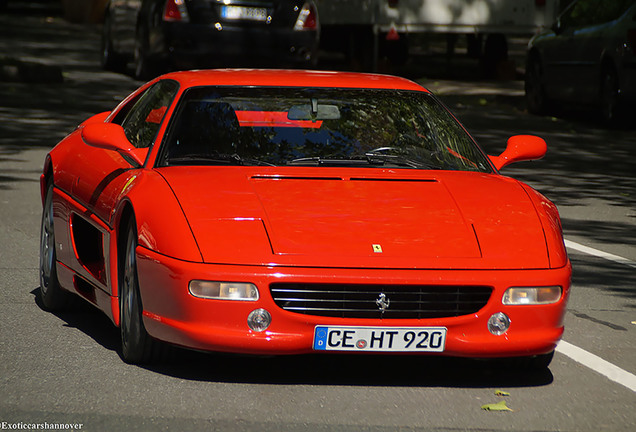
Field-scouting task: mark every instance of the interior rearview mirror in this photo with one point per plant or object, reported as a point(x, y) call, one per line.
point(314, 112)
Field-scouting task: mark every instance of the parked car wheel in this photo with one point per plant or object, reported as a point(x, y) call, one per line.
point(610, 102)
point(536, 98)
point(110, 59)
point(143, 65)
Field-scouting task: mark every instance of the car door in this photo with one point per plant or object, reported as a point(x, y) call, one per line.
point(141, 118)
point(101, 178)
point(568, 59)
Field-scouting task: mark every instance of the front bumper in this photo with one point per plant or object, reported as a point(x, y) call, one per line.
point(173, 315)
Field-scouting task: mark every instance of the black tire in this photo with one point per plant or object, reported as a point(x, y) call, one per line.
point(537, 363)
point(137, 347)
point(52, 296)
point(610, 106)
point(110, 59)
point(495, 52)
point(540, 362)
point(536, 97)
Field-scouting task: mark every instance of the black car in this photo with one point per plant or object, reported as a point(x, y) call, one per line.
point(180, 34)
point(587, 57)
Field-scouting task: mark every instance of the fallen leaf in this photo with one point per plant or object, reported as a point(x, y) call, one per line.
point(501, 393)
point(500, 406)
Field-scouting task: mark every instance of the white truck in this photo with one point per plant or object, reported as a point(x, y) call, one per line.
point(367, 29)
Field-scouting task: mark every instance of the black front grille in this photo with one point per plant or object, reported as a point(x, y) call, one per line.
point(365, 301)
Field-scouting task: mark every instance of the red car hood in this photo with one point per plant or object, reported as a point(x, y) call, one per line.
point(359, 218)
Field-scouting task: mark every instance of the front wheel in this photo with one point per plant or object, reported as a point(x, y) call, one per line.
point(539, 362)
point(536, 363)
point(53, 297)
point(136, 344)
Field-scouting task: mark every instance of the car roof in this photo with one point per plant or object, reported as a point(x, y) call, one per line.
point(290, 78)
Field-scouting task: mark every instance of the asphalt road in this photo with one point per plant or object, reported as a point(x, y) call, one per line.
point(65, 368)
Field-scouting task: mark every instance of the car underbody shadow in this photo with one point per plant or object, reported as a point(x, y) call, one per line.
point(86, 318)
point(351, 370)
point(310, 369)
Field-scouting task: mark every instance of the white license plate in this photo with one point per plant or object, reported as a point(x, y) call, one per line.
point(244, 13)
point(380, 339)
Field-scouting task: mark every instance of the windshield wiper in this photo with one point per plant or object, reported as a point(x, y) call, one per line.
point(374, 158)
point(317, 161)
point(366, 160)
point(220, 159)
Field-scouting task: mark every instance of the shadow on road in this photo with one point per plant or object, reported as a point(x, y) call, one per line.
point(37, 113)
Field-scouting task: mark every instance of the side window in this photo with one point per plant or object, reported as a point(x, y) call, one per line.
point(142, 121)
point(582, 14)
point(613, 10)
point(587, 13)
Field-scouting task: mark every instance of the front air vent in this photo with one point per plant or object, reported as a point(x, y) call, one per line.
point(266, 177)
point(380, 301)
point(403, 180)
point(88, 244)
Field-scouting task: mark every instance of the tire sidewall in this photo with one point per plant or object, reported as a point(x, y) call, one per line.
point(128, 298)
point(51, 294)
point(136, 344)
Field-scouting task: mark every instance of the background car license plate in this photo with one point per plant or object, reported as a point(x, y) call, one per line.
point(392, 339)
point(245, 13)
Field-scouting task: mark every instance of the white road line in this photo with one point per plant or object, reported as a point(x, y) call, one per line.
point(597, 364)
point(588, 359)
point(599, 253)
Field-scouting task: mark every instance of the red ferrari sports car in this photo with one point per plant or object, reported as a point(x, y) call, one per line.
point(289, 212)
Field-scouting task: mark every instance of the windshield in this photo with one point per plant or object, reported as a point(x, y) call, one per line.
point(317, 127)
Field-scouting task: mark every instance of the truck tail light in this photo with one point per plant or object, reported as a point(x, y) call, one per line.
point(307, 18)
point(175, 10)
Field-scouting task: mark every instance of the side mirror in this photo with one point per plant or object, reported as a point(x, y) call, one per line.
point(111, 136)
point(520, 148)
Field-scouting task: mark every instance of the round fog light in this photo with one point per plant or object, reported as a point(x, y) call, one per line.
point(258, 320)
point(498, 323)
